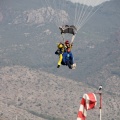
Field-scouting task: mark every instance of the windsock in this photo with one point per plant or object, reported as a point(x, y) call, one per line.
point(88, 102)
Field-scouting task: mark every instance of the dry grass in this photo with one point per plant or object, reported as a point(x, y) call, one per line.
point(35, 95)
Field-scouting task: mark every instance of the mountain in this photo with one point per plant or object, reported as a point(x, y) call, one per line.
point(34, 94)
point(28, 38)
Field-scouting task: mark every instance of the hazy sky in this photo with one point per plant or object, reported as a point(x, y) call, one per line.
point(90, 2)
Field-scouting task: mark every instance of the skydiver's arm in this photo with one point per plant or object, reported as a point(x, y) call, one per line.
point(73, 37)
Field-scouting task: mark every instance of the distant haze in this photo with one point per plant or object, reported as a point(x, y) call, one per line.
point(90, 2)
point(1, 17)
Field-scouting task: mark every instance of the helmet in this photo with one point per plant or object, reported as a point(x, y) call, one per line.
point(60, 45)
point(66, 42)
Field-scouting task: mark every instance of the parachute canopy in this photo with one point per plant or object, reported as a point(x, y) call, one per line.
point(68, 29)
point(72, 12)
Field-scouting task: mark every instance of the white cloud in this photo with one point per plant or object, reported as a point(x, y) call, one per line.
point(90, 2)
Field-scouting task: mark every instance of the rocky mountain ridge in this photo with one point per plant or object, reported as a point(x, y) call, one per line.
point(40, 16)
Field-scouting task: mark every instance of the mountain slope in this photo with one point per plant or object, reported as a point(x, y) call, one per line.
point(48, 96)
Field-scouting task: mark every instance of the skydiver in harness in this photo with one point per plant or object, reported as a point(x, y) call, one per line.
point(68, 59)
point(64, 49)
point(60, 52)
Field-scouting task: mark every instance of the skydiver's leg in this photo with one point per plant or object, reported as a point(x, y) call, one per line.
point(71, 59)
point(62, 63)
point(59, 61)
point(69, 64)
point(73, 65)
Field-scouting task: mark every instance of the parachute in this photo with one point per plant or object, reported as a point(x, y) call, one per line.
point(71, 15)
point(68, 29)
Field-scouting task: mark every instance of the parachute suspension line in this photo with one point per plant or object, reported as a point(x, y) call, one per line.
point(72, 40)
point(75, 13)
point(67, 6)
point(66, 10)
point(85, 13)
point(81, 12)
point(62, 11)
point(85, 16)
point(56, 19)
point(59, 12)
point(49, 6)
point(88, 17)
point(58, 6)
point(78, 13)
point(63, 37)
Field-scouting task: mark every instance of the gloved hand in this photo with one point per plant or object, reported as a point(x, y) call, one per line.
point(71, 44)
point(57, 52)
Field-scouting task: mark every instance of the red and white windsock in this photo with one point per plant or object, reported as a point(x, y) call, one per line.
point(88, 102)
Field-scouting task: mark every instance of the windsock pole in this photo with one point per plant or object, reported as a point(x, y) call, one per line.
point(100, 94)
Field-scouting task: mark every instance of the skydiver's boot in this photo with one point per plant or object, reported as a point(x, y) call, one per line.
point(69, 65)
point(73, 66)
point(58, 66)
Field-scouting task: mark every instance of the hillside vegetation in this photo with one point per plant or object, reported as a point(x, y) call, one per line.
point(33, 94)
